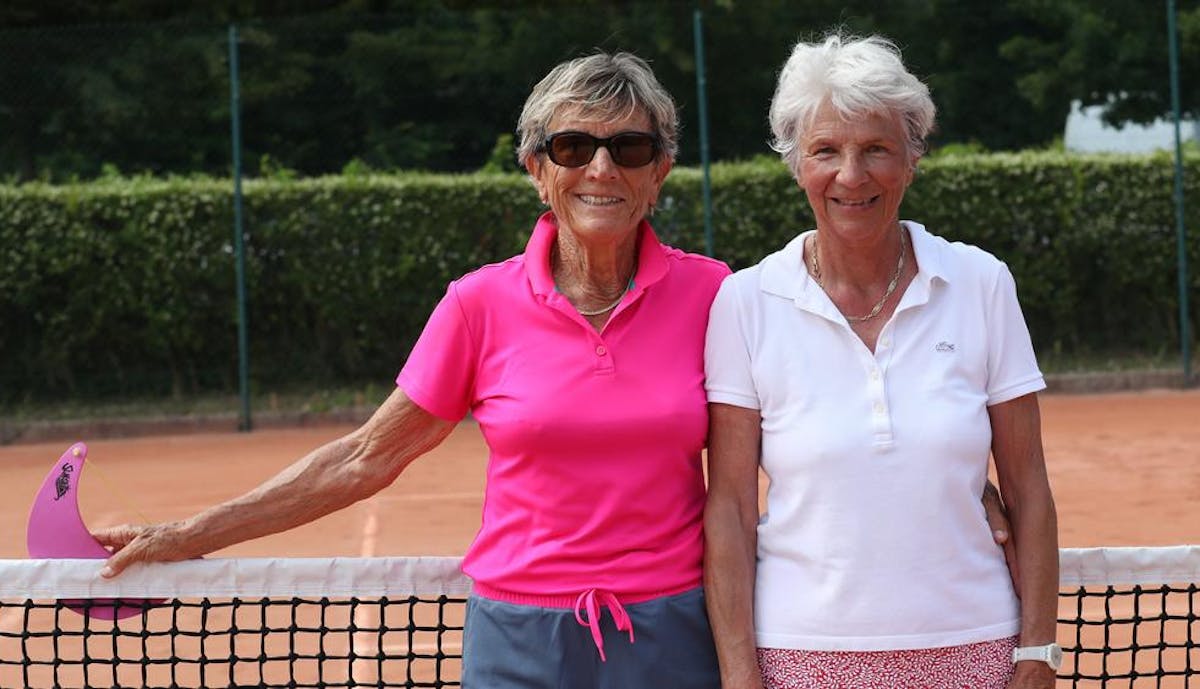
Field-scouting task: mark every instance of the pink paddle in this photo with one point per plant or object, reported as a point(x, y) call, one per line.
point(56, 529)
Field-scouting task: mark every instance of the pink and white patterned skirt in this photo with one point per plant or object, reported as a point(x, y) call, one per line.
point(984, 665)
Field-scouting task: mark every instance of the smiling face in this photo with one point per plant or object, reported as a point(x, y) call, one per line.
point(855, 172)
point(600, 200)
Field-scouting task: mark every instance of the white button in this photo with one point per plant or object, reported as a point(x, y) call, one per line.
point(879, 407)
point(885, 342)
point(601, 350)
point(874, 374)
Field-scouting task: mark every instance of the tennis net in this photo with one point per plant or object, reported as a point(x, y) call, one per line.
point(303, 622)
point(1128, 617)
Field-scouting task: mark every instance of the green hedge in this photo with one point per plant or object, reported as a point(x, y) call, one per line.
point(1091, 240)
point(126, 286)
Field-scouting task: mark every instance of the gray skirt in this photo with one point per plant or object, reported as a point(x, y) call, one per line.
point(510, 646)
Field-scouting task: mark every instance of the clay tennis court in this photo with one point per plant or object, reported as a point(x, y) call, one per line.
point(1125, 470)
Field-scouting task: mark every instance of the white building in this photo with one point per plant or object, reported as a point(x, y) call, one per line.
point(1086, 132)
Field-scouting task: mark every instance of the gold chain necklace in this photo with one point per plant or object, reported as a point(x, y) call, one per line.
point(554, 262)
point(606, 309)
point(816, 272)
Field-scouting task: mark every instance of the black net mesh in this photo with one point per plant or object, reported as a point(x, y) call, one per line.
point(1132, 636)
point(328, 635)
point(275, 642)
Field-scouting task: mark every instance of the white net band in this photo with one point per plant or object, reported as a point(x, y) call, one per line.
point(402, 576)
point(1129, 566)
point(335, 577)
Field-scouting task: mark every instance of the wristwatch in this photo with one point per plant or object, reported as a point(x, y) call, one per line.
point(1050, 654)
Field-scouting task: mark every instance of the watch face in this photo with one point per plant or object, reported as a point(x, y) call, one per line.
point(1055, 656)
point(1050, 654)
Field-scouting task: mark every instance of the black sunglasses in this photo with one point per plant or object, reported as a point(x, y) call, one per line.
point(576, 149)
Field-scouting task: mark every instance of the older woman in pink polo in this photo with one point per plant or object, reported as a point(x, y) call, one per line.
point(582, 361)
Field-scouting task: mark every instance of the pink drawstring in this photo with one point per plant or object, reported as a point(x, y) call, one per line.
point(586, 602)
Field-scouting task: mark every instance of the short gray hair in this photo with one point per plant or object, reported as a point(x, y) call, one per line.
point(858, 77)
point(603, 86)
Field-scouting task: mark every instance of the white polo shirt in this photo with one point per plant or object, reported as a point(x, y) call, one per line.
point(874, 536)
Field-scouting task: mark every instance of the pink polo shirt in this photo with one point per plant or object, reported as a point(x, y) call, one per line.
point(594, 478)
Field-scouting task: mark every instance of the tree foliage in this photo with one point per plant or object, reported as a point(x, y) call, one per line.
point(433, 84)
point(1112, 53)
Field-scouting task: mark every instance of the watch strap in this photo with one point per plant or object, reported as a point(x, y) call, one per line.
point(1050, 654)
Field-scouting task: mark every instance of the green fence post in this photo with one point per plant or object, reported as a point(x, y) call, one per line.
point(244, 423)
point(1180, 229)
point(702, 106)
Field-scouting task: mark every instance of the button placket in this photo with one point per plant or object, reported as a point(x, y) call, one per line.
point(881, 421)
point(602, 354)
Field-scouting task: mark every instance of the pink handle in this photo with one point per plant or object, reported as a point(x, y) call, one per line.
point(56, 529)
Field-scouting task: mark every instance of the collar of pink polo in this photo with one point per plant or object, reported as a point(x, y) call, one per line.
point(652, 260)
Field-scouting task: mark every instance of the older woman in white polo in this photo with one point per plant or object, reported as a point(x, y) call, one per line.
point(870, 367)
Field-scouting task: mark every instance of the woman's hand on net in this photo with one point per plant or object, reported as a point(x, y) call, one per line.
point(132, 543)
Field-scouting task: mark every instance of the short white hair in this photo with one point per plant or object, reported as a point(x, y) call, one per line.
point(858, 77)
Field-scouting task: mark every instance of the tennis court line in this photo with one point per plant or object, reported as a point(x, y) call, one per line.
point(364, 670)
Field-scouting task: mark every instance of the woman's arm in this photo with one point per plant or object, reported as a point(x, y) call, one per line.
point(331, 477)
point(993, 510)
point(730, 540)
point(1021, 467)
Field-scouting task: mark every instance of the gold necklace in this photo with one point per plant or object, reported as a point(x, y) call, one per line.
point(816, 272)
point(554, 262)
point(606, 309)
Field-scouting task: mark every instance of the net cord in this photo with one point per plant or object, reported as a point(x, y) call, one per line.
point(1128, 565)
point(405, 576)
point(236, 578)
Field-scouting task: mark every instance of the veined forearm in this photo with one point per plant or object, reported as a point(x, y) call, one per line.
point(1035, 530)
point(729, 589)
point(322, 482)
point(335, 475)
